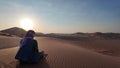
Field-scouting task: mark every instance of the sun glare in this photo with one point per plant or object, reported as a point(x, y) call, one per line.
point(26, 24)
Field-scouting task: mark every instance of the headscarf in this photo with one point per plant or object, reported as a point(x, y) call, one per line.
point(29, 35)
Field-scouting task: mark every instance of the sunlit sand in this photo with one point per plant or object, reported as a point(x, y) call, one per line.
point(65, 54)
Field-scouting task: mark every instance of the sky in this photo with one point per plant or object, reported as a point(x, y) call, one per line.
point(62, 16)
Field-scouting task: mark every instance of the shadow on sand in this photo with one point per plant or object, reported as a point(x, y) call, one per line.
point(42, 64)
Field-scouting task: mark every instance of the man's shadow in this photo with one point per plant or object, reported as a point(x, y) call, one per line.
point(42, 64)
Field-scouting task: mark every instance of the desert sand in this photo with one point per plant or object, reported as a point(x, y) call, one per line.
point(65, 54)
point(7, 42)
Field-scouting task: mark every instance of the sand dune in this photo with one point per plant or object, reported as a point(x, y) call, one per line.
point(61, 54)
point(107, 47)
point(7, 42)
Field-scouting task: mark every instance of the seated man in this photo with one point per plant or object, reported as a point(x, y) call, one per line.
point(28, 50)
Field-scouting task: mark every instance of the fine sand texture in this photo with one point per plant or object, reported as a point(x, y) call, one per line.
point(109, 47)
point(61, 54)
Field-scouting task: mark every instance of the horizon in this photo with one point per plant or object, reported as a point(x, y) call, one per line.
point(60, 33)
point(59, 16)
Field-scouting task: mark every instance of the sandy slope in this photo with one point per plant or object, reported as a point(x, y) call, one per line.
point(61, 55)
point(6, 42)
point(108, 47)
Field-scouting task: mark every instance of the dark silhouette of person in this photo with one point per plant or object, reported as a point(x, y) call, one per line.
point(28, 51)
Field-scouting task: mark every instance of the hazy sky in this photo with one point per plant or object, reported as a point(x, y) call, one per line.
point(62, 16)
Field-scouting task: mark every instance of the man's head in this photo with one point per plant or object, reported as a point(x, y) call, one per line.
point(30, 33)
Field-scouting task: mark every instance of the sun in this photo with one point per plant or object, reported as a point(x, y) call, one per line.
point(26, 24)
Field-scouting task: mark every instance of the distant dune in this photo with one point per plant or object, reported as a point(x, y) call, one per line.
point(14, 31)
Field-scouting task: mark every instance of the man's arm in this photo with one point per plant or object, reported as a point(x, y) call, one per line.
point(36, 46)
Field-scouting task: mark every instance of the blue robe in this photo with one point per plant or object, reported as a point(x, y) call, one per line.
point(28, 52)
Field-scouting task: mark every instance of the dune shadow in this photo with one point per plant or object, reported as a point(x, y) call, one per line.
point(42, 64)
